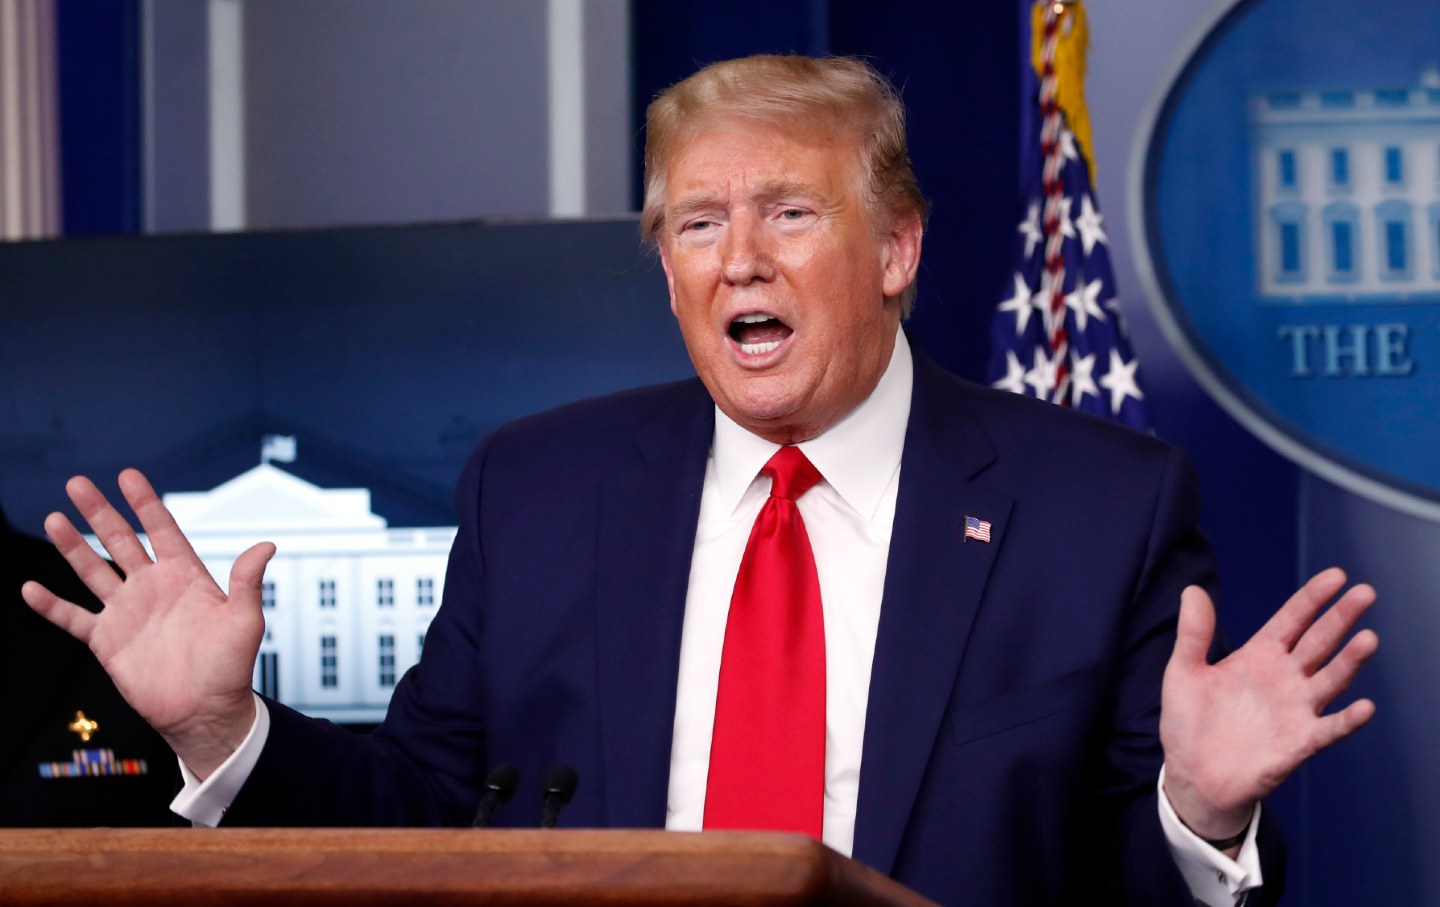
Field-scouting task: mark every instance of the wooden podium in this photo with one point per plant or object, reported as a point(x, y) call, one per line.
point(429, 867)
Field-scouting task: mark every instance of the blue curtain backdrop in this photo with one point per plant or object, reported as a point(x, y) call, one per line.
point(99, 62)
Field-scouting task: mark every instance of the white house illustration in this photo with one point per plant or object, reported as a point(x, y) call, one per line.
point(347, 600)
point(1347, 193)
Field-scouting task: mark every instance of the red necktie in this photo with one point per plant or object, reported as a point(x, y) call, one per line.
point(767, 757)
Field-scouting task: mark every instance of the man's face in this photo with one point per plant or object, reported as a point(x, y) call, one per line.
point(783, 285)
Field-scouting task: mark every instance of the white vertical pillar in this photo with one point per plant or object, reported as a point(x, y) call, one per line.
point(29, 131)
point(227, 114)
point(565, 42)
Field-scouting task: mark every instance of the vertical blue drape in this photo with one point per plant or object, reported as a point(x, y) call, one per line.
point(100, 132)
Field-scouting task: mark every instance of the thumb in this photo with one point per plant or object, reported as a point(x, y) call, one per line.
point(249, 570)
point(1195, 630)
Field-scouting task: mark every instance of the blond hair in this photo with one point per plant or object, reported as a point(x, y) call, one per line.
point(843, 93)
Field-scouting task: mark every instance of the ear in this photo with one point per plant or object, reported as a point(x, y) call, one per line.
point(901, 254)
point(664, 246)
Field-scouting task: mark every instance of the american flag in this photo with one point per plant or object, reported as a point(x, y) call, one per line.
point(1059, 334)
point(977, 529)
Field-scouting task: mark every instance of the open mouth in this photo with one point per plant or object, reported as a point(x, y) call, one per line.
point(758, 333)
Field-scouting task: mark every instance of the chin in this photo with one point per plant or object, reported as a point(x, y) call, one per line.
point(754, 407)
point(780, 424)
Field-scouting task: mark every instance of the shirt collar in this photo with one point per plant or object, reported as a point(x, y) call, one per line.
point(857, 456)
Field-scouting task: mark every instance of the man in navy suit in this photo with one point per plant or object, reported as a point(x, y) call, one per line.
point(1005, 585)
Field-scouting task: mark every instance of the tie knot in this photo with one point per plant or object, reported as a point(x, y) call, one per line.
point(791, 473)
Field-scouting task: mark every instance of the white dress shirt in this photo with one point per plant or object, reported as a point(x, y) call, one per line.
point(848, 517)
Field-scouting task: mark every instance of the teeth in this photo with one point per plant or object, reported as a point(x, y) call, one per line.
point(755, 318)
point(755, 349)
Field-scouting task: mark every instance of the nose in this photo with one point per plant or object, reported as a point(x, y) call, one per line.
point(744, 252)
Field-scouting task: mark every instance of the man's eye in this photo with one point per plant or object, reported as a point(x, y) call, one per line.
point(792, 214)
point(696, 226)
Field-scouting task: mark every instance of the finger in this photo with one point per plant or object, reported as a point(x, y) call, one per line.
point(1320, 641)
point(97, 575)
point(66, 615)
point(1336, 677)
point(1336, 727)
point(1195, 630)
point(165, 536)
point(114, 532)
point(1298, 612)
point(249, 571)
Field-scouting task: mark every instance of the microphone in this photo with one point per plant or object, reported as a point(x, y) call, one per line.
point(559, 788)
point(500, 784)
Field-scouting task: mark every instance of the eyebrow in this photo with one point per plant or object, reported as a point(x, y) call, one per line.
point(776, 189)
point(767, 192)
point(690, 205)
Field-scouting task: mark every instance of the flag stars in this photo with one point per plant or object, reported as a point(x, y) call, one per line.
point(1090, 224)
point(1120, 380)
point(1021, 304)
point(1084, 300)
point(1041, 376)
point(1082, 380)
point(1014, 378)
point(1067, 145)
point(1061, 212)
point(1030, 228)
point(1070, 290)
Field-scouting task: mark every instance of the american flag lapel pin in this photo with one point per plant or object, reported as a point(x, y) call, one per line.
point(977, 529)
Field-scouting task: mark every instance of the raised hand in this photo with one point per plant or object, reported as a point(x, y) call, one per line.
point(1234, 730)
point(180, 650)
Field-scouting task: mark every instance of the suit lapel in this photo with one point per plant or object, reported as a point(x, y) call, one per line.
point(933, 586)
point(648, 512)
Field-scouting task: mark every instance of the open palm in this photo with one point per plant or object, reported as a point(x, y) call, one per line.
point(1234, 730)
point(179, 649)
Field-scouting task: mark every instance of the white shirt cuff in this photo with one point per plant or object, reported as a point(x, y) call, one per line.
point(204, 802)
point(1215, 880)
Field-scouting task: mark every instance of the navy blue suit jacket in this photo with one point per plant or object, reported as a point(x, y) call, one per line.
point(1011, 744)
